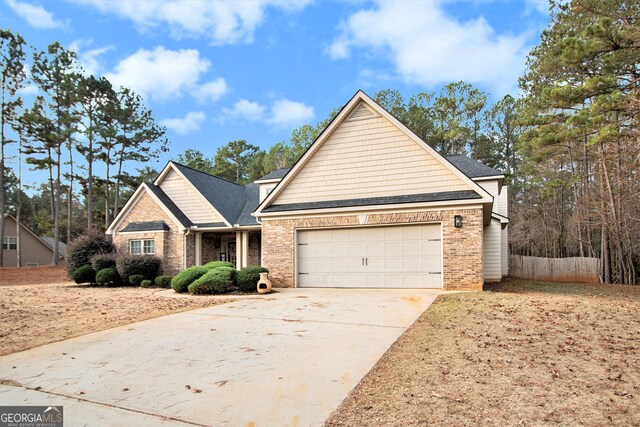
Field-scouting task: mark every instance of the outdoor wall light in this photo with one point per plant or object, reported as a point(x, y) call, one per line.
point(457, 221)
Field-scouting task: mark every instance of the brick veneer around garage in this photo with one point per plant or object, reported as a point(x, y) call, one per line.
point(462, 247)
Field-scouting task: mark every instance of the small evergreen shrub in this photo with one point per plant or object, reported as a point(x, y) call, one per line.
point(84, 274)
point(81, 249)
point(102, 261)
point(108, 277)
point(182, 280)
point(146, 283)
point(147, 266)
point(164, 281)
point(216, 281)
point(248, 277)
point(136, 279)
point(216, 264)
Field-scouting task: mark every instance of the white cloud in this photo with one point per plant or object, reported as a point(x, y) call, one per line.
point(428, 47)
point(222, 21)
point(211, 91)
point(283, 113)
point(542, 6)
point(187, 124)
point(36, 16)
point(244, 109)
point(90, 60)
point(162, 74)
point(286, 113)
point(29, 90)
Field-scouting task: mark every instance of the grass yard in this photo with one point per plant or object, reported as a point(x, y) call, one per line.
point(522, 354)
point(33, 315)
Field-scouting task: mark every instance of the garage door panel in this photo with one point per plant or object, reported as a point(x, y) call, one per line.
point(371, 257)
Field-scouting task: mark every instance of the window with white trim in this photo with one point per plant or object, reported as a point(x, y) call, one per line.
point(10, 243)
point(141, 246)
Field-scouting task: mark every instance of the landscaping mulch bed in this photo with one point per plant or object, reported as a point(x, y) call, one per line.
point(33, 315)
point(522, 354)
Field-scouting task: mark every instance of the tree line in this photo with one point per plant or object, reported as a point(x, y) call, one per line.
point(79, 130)
point(568, 145)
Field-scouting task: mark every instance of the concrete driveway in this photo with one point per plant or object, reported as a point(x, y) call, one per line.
point(287, 359)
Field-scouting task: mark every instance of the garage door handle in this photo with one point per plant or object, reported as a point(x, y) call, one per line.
point(366, 261)
point(434, 272)
point(362, 261)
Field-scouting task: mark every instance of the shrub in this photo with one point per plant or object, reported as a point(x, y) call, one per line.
point(102, 261)
point(147, 266)
point(108, 277)
point(216, 281)
point(81, 249)
point(146, 283)
point(136, 279)
point(248, 277)
point(216, 264)
point(164, 281)
point(84, 274)
point(182, 280)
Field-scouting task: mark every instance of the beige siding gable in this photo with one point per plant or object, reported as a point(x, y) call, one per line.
point(368, 156)
point(187, 198)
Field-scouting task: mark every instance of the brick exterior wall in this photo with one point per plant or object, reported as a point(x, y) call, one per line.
point(254, 248)
point(167, 245)
point(462, 247)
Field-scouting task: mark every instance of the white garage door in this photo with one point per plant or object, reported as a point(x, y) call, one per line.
point(371, 257)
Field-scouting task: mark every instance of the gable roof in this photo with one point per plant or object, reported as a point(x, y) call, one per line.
point(345, 112)
point(276, 174)
point(168, 203)
point(226, 197)
point(473, 168)
point(46, 241)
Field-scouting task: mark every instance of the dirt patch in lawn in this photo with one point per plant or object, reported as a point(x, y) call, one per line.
point(39, 314)
point(32, 275)
point(524, 353)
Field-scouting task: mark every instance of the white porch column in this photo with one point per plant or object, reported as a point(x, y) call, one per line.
point(198, 236)
point(245, 248)
point(238, 250)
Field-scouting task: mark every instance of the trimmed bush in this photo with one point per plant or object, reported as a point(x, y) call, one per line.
point(248, 277)
point(146, 283)
point(81, 249)
point(136, 279)
point(216, 264)
point(108, 277)
point(147, 266)
point(182, 280)
point(102, 261)
point(84, 274)
point(164, 281)
point(216, 281)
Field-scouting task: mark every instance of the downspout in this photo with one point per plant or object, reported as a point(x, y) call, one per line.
point(184, 246)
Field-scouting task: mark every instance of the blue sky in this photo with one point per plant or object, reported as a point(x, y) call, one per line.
point(216, 71)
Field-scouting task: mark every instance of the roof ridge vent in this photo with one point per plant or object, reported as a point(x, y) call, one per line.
point(361, 112)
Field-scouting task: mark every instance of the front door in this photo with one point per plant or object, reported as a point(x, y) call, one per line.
point(231, 251)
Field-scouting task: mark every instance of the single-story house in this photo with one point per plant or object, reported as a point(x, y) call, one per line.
point(369, 204)
point(35, 250)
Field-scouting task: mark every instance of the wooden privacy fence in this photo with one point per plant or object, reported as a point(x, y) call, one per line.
point(555, 269)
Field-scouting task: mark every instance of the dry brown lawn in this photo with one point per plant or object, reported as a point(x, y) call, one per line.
point(522, 354)
point(33, 315)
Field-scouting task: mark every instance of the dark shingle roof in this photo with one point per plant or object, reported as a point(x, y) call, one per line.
point(146, 226)
point(226, 197)
point(414, 198)
point(180, 216)
point(253, 200)
point(277, 174)
point(210, 224)
point(472, 168)
point(62, 247)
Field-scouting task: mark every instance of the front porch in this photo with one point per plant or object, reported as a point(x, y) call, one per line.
point(241, 248)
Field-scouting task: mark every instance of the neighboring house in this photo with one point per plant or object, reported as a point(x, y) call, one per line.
point(368, 205)
point(35, 250)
